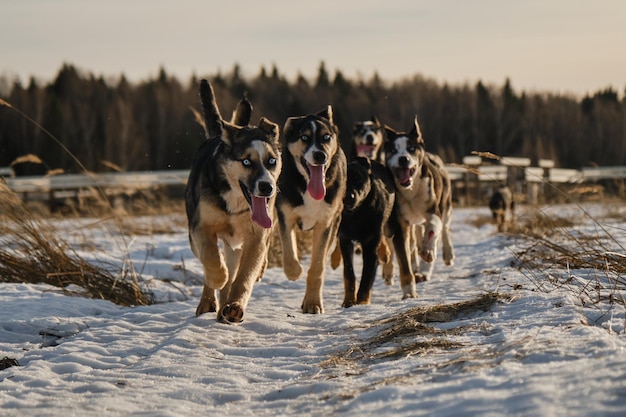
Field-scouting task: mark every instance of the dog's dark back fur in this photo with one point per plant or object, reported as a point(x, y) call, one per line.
point(368, 202)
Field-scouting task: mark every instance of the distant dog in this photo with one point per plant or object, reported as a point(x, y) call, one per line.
point(229, 198)
point(367, 207)
point(367, 140)
point(312, 186)
point(424, 206)
point(502, 207)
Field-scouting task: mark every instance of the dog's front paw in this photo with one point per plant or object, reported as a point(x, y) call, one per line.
point(312, 307)
point(448, 257)
point(419, 277)
point(293, 271)
point(407, 295)
point(231, 313)
point(428, 255)
point(383, 253)
point(206, 306)
point(388, 274)
point(348, 302)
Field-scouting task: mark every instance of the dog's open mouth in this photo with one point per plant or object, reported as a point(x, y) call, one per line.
point(259, 207)
point(316, 186)
point(366, 149)
point(404, 176)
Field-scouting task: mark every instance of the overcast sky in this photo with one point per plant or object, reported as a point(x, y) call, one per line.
point(564, 46)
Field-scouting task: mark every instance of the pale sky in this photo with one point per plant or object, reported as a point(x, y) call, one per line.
point(561, 46)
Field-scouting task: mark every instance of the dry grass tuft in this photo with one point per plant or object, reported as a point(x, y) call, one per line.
point(406, 333)
point(590, 262)
point(31, 251)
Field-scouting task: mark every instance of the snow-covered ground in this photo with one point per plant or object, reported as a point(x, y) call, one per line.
point(536, 353)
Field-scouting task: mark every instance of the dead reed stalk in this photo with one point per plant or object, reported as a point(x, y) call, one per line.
point(32, 251)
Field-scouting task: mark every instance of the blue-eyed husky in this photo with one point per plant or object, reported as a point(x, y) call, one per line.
point(230, 198)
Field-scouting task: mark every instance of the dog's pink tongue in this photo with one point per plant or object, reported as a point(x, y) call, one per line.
point(259, 212)
point(404, 175)
point(367, 150)
point(316, 186)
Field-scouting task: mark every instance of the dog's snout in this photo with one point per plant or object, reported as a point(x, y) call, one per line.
point(369, 139)
point(266, 189)
point(404, 161)
point(319, 157)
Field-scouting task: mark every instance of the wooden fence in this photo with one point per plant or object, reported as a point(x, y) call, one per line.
point(472, 181)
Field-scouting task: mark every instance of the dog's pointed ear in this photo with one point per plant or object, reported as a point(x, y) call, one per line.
point(375, 120)
point(390, 133)
point(243, 113)
point(213, 123)
point(416, 131)
point(270, 128)
point(289, 126)
point(327, 113)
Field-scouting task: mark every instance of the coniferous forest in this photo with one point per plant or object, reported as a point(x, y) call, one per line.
point(152, 125)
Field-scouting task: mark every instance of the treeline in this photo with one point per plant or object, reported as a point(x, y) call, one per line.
point(152, 125)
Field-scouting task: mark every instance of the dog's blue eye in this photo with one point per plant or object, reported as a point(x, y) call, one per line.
point(412, 149)
point(272, 161)
point(304, 138)
point(326, 137)
point(246, 162)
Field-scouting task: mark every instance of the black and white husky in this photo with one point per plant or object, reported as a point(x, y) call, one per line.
point(312, 186)
point(367, 140)
point(423, 206)
point(230, 198)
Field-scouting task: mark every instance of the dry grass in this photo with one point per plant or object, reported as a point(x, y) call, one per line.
point(406, 333)
point(590, 263)
point(32, 251)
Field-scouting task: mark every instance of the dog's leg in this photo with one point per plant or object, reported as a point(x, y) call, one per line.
point(388, 272)
point(233, 257)
point(349, 278)
point(428, 250)
point(417, 236)
point(383, 253)
point(335, 256)
point(370, 264)
point(291, 264)
point(322, 235)
point(446, 239)
point(215, 271)
point(250, 259)
point(402, 246)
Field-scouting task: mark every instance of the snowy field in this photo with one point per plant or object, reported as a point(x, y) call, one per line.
point(531, 353)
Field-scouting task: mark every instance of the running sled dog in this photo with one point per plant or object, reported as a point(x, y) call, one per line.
point(502, 207)
point(312, 187)
point(368, 205)
point(230, 197)
point(423, 206)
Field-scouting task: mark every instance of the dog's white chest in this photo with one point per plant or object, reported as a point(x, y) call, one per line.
point(312, 212)
point(414, 203)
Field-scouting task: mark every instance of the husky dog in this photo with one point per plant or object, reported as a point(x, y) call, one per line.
point(312, 186)
point(230, 196)
point(367, 140)
point(424, 204)
point(502, 207)
point(368, 204)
